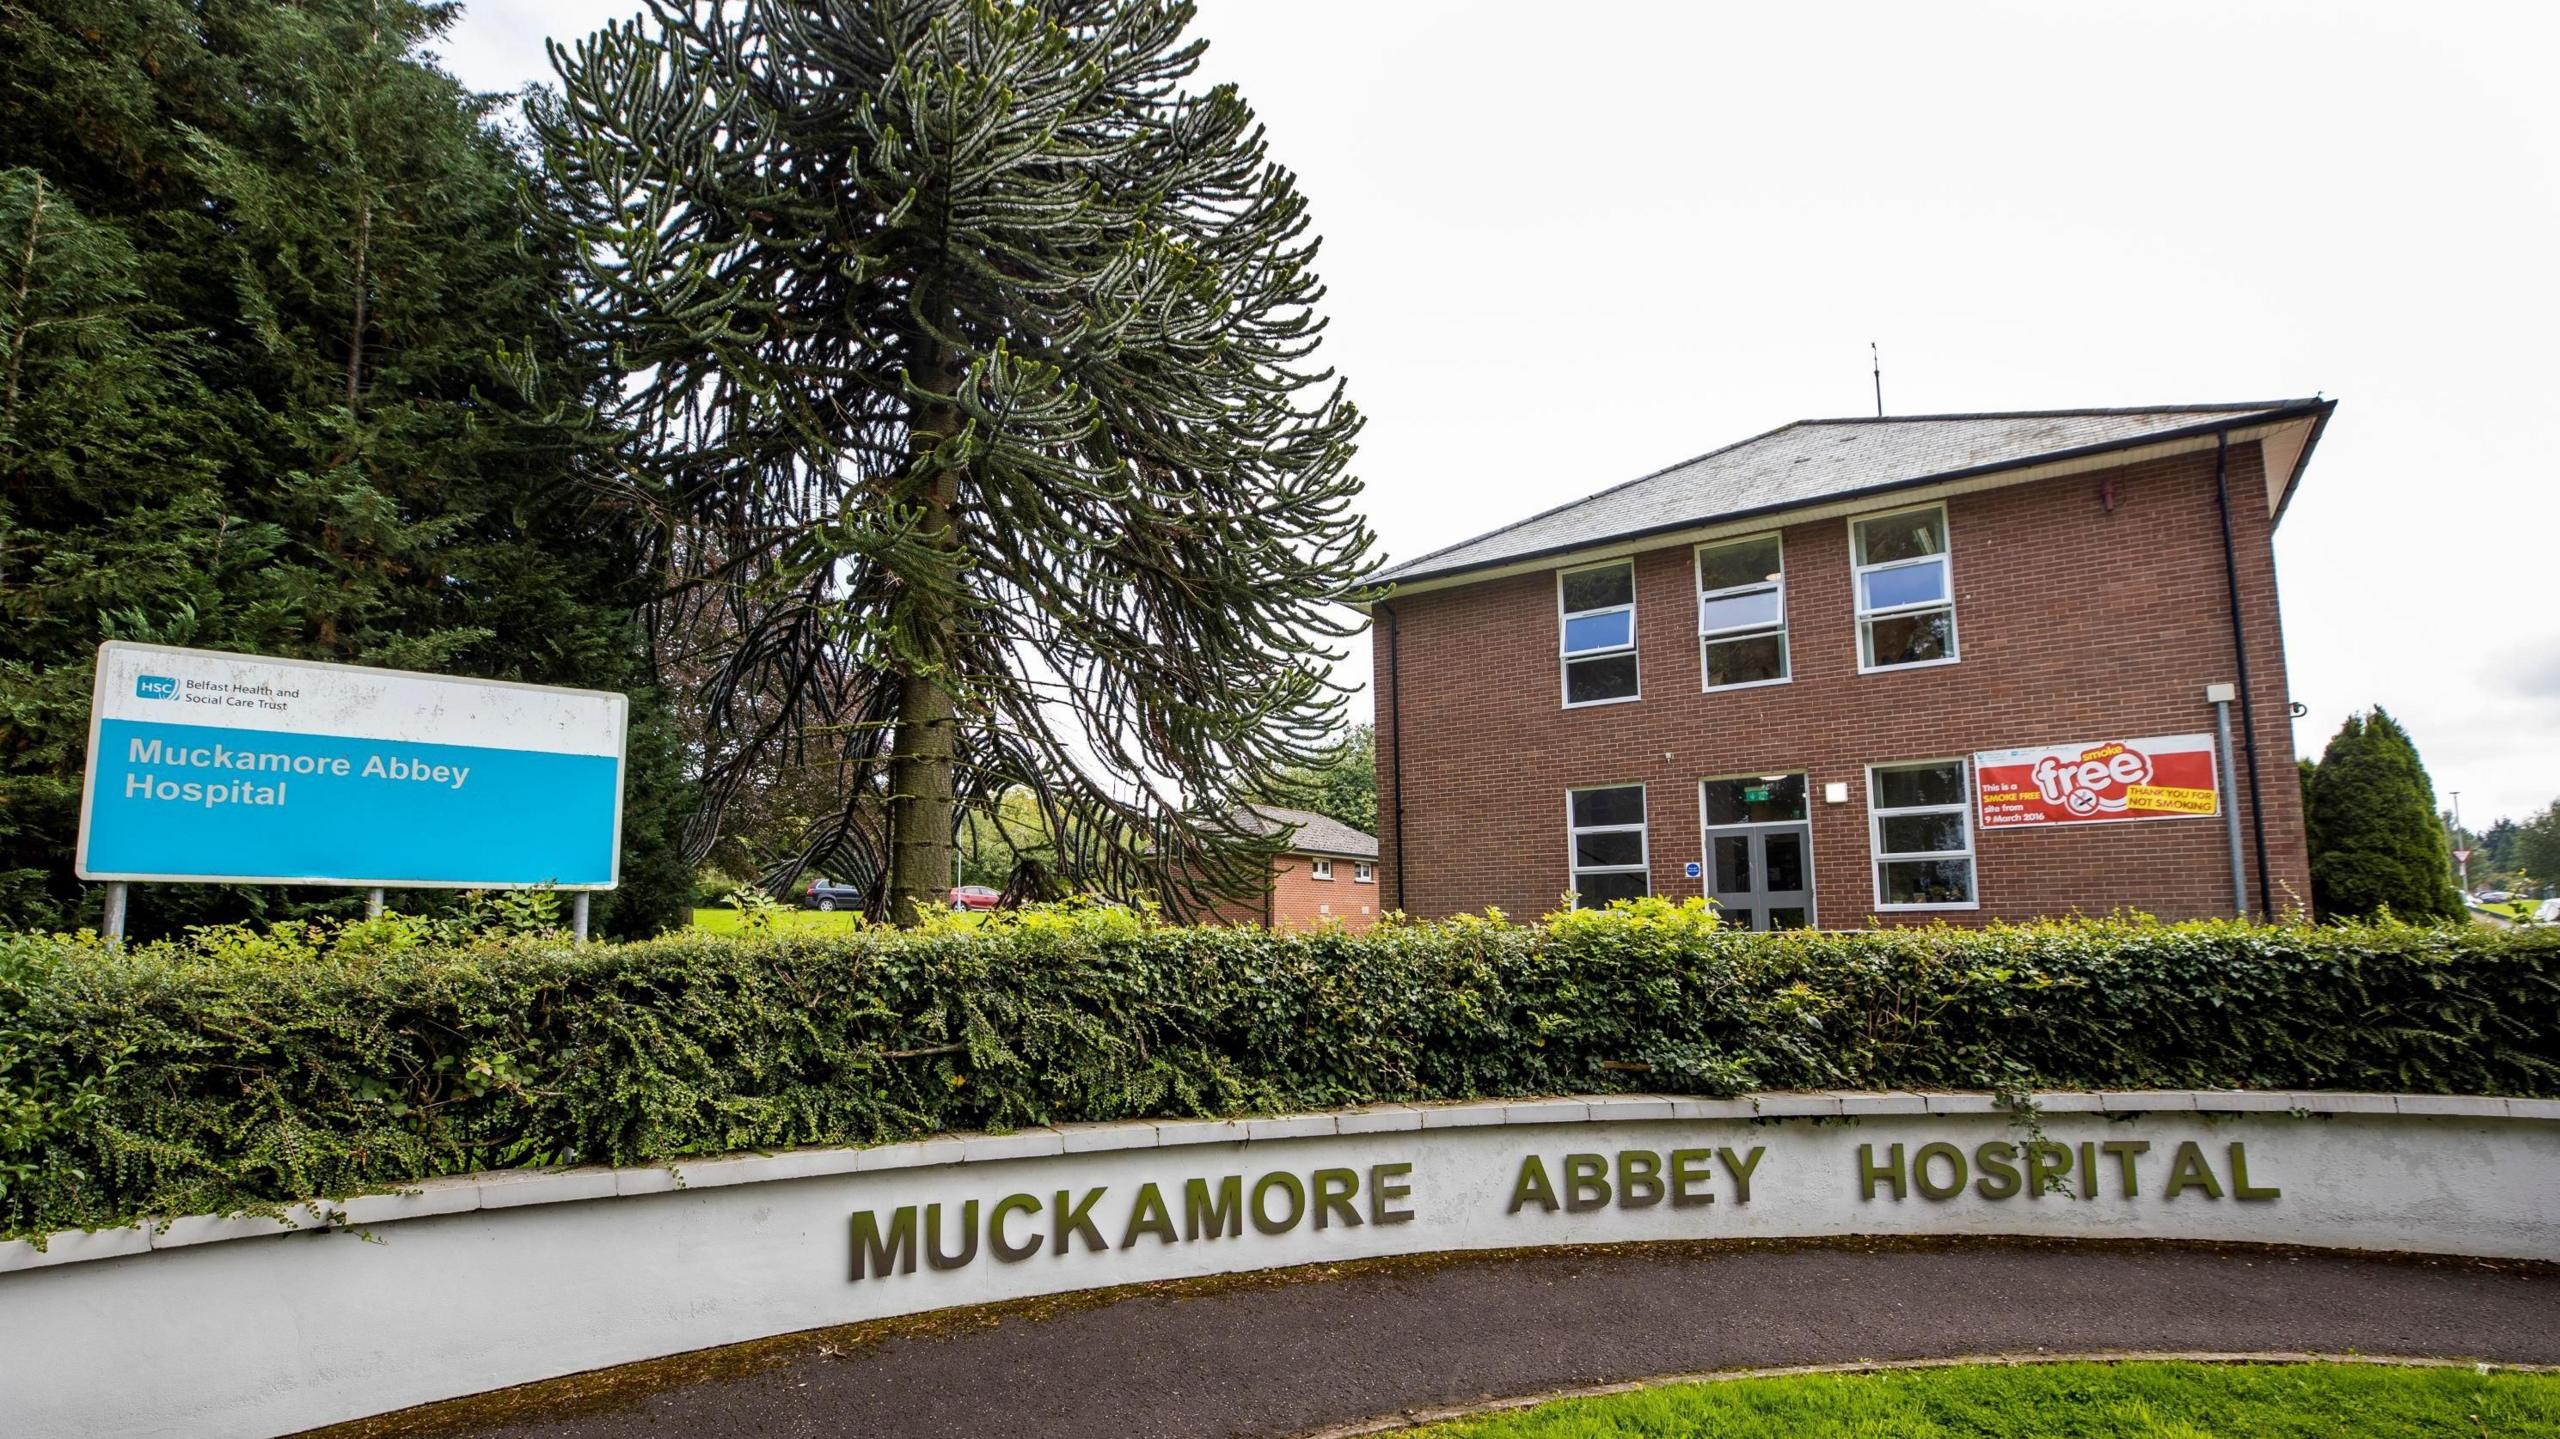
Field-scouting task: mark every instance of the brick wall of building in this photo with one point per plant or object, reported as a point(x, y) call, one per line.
point(1297, 900)
point(2076, 622)
point(1301, 901)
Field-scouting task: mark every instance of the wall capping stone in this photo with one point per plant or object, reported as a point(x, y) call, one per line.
point(507, 1189)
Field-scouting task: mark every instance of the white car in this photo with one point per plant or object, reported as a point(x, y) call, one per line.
point(2493, 896)
point(2547, 912)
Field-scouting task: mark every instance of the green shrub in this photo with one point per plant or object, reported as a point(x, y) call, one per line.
point(233, 1071)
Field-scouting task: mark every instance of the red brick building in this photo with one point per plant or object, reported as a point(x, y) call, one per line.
point(1329, 872)
point(1791, 675)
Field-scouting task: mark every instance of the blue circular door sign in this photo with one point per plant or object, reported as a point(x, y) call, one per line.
point(1692, 869)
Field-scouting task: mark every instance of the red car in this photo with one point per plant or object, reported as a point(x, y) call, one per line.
point(973, 896)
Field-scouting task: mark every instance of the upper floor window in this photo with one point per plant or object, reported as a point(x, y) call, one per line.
point(1742, 612)
point(1921, 833)
point(1598, 609)
point(1605, 828)
point(1321, 869)
point(1906, 593)
point(1363, 874)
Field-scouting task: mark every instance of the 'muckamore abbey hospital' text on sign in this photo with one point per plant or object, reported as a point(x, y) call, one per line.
point(946, 1235)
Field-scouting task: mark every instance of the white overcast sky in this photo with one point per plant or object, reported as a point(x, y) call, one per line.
point(1568, 245)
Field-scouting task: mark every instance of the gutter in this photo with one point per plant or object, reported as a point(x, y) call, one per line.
point(2302, 462)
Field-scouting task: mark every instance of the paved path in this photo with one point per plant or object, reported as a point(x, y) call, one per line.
point(1280, 1359)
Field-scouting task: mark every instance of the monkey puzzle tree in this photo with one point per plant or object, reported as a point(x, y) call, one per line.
point(974, 356)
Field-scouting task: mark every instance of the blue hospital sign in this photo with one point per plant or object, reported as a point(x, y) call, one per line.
point(222, 767)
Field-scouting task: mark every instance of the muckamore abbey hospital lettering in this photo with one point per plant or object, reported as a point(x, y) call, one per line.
point(938, 1235)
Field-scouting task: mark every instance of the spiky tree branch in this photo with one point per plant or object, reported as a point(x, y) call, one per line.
point(974, 353)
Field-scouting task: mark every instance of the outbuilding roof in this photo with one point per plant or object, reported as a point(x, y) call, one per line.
point(1312, 833)
point(1811, 461)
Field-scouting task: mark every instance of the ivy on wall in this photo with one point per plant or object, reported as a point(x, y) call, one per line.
point(234, 1071)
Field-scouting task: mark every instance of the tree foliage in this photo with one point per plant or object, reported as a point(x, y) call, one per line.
point(1342, 782)
point(973, 368)
point(2497, 847)
point(258, 262)
point(2376, 841)
point(2534, 847)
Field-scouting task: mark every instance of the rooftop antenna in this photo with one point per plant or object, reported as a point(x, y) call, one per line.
point(1878, 357)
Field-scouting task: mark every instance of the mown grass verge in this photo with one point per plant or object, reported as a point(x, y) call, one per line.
point(784, 921)
point(2064, 1401)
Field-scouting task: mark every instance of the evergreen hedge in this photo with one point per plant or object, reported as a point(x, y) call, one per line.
point(235, 1071)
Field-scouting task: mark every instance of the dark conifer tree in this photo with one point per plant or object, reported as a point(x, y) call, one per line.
point(2376, 839)
point(975, 352)
point(257, 270)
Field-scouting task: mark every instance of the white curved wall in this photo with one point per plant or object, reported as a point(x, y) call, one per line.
point(229, 1327)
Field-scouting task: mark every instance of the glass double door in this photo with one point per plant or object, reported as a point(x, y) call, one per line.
point(1760, 851)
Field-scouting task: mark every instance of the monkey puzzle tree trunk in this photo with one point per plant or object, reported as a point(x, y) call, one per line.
point(921, 797)
point(925, 745)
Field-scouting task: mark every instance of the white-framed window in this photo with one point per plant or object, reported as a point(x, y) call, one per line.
point(1596, 624)
point(1920, 830)
point(1364, 874)
point(1605, 837)
point(1321, 869)
point(1905, 589)
point(1742, 613)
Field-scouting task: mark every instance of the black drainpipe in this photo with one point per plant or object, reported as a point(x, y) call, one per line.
point(1395, 743)
point(2240, 656)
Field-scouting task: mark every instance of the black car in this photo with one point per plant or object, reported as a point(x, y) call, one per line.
point(830, 896)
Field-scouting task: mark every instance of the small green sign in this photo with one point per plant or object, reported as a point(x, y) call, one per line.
point(1755, 794)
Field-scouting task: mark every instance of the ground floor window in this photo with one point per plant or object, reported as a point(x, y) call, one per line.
point(1606, 831)
point(1920, 829)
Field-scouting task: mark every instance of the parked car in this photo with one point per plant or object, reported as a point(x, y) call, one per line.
point(2547, 912)
point(2492, 896)
point(974, 896)
point(830, 896)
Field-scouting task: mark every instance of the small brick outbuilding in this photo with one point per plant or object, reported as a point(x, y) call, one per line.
point(1328, 873)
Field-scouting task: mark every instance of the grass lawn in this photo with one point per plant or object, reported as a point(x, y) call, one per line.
point(2170, 1401)
point(789, 921)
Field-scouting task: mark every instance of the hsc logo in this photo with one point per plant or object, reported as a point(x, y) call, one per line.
point(155, 687)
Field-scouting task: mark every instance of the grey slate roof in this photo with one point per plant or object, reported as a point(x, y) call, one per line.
point(1313, 833)
point(1816, 460)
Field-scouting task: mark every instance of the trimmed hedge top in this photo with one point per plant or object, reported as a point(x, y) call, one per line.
point(239, 1072)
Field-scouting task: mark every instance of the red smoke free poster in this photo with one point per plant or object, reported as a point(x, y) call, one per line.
point(2170, 777)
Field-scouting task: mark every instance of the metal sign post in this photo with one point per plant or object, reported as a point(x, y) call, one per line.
point(111, 923)
point(2220, 697)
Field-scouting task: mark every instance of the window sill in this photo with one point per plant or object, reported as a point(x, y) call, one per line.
point(1748, 685)
point(1928, 908)
point(1603, 704)
point(1914, 665)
